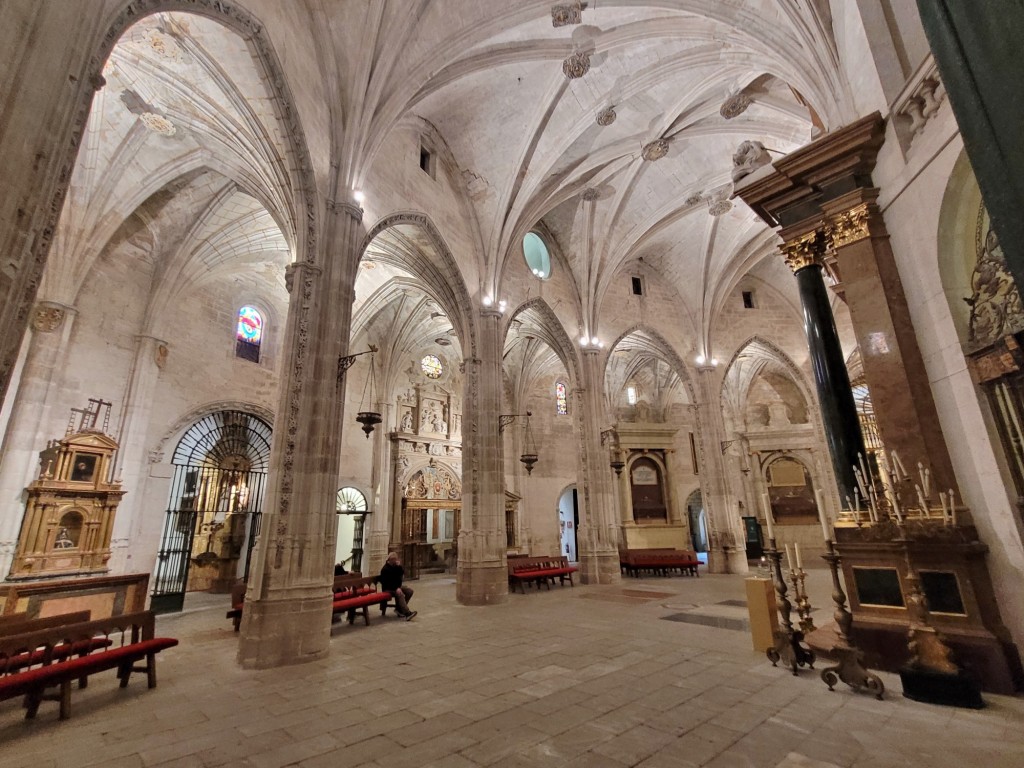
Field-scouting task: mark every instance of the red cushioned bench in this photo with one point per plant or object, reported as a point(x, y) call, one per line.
point(33, 662)
point(660, 561)
point(341, 584)
point(355, 594)
point(538, 570)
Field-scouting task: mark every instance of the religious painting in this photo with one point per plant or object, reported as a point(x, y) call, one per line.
point(84, 467)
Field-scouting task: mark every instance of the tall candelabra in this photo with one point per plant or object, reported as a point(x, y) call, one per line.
point(789, 647)
point(850, 659)
point(797, 577)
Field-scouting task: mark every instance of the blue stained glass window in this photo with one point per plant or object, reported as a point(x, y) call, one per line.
point(561, 402)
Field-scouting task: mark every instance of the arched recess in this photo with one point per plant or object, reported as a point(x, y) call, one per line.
point(305, 208)
point(543, 321)
point(652, 342)
point(759, 359)
point(215, 505)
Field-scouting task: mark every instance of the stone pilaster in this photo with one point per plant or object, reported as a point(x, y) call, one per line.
point(599, 528)
point(131, 463)
point(287, 614)
point(482, 571)
point(900, 391)
point(51, 325)
point(727, 551)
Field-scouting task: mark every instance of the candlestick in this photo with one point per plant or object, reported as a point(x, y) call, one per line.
point(796, 549)
point(822, 517)
point(952, 508)
point(921, 500)
point(945, 508)
point(768, 514)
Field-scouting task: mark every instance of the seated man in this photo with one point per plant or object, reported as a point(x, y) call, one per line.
point(391, 576)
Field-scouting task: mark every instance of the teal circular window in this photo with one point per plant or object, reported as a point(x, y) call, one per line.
point(537, 257)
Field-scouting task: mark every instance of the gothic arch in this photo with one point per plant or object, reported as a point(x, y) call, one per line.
point(174, 433)
point(664, 348)
point(556, 336)
point(447, 283)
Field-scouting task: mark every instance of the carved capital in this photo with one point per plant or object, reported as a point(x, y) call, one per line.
point(806, 250)
point(851, 226)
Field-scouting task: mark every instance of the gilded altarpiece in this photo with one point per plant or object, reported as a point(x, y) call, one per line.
point(69, 513)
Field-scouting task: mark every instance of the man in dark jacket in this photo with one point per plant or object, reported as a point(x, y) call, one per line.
point(391, 576)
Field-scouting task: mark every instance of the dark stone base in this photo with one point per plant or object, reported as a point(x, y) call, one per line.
point(941, 688)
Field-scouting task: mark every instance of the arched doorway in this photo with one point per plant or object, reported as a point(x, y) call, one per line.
point(350, 505)
point(213, 513)
point(568, 522)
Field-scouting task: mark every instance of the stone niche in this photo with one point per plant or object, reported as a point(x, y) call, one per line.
point(69, 513)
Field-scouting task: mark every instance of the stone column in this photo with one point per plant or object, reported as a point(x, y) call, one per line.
point(599, 530)
point(727, 551)
point(47, 349)
point(287, 615)
point(804, 253)
point(900, 391)
point(131, 462)
point(482, 571)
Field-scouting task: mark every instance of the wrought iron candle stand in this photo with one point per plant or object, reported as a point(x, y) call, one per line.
point(803, 603)
point(850, 665)
point(789, 647)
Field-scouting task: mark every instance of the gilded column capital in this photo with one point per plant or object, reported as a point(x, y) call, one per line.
point(852, 225)
point(806, 250)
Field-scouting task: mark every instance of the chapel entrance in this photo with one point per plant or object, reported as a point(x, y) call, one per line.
point(213, 513)
point(430, 519)
point(568, 522)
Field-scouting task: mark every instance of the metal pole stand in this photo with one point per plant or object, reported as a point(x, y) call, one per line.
point(789, 647)
point(850, 659)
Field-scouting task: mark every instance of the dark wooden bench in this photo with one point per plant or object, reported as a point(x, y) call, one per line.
point(538, 570)
point(634, 562)
point(34, 661)
point(17, 623)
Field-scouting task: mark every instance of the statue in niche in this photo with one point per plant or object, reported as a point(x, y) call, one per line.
point(407, 421)
point(436, 449)
point(642, 411)
point(439, 423)
point(63, 540)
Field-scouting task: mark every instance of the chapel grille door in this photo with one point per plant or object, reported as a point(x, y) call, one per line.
point(214, 509)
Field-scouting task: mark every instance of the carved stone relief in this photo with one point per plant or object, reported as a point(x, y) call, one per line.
point(996, 308)
point(576, 65)
point(749, 156)
point(568, 14)
point(655, 150)
point(606, 117)
point(47, 318)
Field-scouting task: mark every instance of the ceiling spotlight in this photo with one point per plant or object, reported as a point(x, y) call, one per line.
point(700, 359)
point(595, 341)
point(502, 304)
point(488, 300)
point(584, 340)
point(714, 361)
point(358, 196)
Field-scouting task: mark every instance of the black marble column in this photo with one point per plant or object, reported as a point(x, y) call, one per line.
point(835, 397)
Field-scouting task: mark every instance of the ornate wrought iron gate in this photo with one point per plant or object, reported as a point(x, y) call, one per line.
point(214, 507)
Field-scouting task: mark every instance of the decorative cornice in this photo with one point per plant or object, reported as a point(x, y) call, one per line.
point(850, 226)
point(806, 250)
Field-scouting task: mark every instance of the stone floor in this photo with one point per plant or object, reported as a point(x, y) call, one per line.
point(593, 676)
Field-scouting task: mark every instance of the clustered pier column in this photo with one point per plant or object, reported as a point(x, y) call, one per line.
point(482, 569)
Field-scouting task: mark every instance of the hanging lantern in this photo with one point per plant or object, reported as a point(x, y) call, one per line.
point(369, 419)
point(617, 463)
point(529, 456)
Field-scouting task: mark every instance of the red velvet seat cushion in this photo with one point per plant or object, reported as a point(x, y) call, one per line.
point(359, 601)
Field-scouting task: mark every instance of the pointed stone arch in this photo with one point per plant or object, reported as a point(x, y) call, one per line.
point(444, 279)
point(556, 336)
point(662, 347)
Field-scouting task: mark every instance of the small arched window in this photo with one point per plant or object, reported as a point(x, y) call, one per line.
point(561, 401)
point(631, 395)
point(249, 334)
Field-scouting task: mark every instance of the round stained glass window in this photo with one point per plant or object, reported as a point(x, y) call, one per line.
point(431, 366)
point(537, 257)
